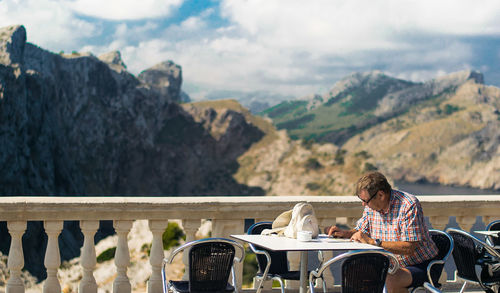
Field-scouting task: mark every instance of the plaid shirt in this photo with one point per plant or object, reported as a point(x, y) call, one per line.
point(403, 222)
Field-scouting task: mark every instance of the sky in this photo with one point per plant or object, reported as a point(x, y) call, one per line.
point(273, 48)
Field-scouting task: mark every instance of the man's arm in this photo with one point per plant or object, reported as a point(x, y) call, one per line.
point(340, 233)
point(396, 247)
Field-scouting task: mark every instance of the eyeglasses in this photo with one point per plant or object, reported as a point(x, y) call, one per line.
point(371, 197)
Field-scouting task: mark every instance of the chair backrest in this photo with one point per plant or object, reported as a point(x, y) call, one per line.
point(364, 273)
point(493, 226)
point(279, 260)
point(210, 265)
point(467, 250)
point(444, 243)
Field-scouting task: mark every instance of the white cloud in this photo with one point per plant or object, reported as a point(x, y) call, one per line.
point(49, 24)
point(294, 47)
point(125, 9)
point(192, 23)
point(344, 26)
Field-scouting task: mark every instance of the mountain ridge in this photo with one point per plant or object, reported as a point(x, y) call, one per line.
point(445, 130)
point(357, 101)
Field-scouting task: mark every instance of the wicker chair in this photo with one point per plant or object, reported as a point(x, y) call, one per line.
point(272, 264)
point(363, 271)
point(475, 260)
point(210, 262)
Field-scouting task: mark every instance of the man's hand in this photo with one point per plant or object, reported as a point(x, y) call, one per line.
point(362, 237)
point(337, 232)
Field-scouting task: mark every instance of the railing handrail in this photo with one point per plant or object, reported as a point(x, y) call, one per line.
point(225, 207)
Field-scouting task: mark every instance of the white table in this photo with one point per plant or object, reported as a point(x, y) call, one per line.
point(323, 242)
point(489, 233)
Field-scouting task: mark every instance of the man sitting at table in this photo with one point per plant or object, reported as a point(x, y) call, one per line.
point(393, 220)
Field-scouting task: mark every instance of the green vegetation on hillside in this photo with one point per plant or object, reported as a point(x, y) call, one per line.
point(172, 235)
point(343, 115)
point(286, 109)
point(106, 255)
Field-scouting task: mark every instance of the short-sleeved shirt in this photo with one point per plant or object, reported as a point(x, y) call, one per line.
point(404, 221)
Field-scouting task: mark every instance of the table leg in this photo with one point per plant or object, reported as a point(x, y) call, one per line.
point(303, 272)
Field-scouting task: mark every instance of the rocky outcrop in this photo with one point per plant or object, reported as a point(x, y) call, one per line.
point(80, 125)
point(399, 101)
point(165, 78)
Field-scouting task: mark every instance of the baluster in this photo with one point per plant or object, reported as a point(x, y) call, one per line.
point(88, 258)
point(439, 222)
point(190, 227)
point(294, 265)
point(156, 256)
point(52, 256)
point(122, 257)
point(15, 261)
point(489, 219)
point(466, 222)
point(224, 228)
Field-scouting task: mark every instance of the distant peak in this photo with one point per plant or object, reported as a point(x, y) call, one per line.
point(461, 77)
point(12, 42)
point(166, 77)
point(113, 58)
point(366, 75)
point(367, 79)
point(165, 66)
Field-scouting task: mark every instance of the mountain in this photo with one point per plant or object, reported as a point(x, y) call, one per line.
point(77, 124)
point(255, 101)
point(166, 79)
point(445, 130)
point(357, 102)
point(81, 125)
point(452, 139)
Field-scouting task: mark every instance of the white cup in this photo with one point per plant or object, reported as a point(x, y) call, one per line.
point(304, 236)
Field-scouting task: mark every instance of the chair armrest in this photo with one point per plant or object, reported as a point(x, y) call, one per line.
point(235, 261)
point(395, 263)
point(429, 267)
point(266, 270)
point(431, 288)
point(266, 254)
point(242, 252)
point(492, 251)
point(170, 258)
point(320, 257)
point(319, 271)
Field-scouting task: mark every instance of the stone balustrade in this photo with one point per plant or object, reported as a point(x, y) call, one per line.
point(228, 215)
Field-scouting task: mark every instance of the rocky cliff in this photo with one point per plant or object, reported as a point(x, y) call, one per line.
point(77, 124)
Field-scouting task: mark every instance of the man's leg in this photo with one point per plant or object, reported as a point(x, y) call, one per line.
point(399, 282)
